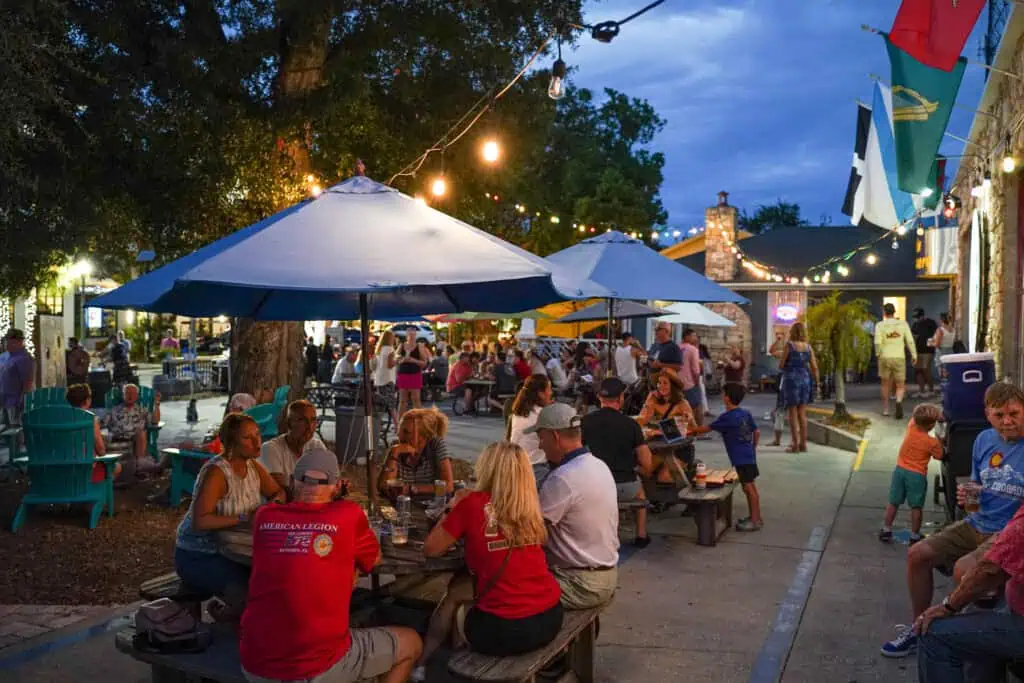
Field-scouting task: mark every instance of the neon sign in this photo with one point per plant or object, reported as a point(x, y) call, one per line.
point(786, 313)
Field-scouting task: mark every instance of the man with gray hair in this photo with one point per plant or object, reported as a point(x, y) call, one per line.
point(580, 506)
point(127, 423)
point(305, 556)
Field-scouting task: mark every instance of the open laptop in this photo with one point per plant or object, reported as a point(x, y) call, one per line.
point(670, 430)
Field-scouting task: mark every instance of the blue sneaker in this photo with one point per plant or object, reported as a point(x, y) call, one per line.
point(903, 644)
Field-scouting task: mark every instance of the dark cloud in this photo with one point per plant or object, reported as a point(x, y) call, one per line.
point(759, 95)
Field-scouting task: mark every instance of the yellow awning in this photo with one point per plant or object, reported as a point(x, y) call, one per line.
point(551, 328)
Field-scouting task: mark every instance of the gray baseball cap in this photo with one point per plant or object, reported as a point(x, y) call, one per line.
point(555, 416)
point(317, 466)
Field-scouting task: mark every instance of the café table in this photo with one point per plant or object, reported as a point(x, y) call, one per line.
point(481, 387)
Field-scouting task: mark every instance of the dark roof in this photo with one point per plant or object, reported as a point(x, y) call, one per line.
point(794, 250)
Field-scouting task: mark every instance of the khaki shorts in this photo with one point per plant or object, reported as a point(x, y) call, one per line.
point(585, 588)
point(628, 491)
point(924, 361)
point(958, 540)
point(892, 368)
point(373, 653)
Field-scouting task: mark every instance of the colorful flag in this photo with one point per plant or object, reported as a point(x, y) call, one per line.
point(922, 100)
point(934, 31)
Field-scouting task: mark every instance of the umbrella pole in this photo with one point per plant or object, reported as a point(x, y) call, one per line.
point(610, 372)
point(371, 438)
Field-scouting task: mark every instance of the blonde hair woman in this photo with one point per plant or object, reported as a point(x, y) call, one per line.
point(228, 490)
point(420, 457)
point(511, 604)
point(385, 373)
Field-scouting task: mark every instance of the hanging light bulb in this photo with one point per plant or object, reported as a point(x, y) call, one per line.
point(439, 187)
point(520, 208)
point(871, 259)
point(315, 189)
point(1009, 163)
point(490, 151)
point(654, 235)
point(817, 278)
point(920, 231)
point(556, 89)
point(806, 280)
point(583, 228)
point(556, 219)
point(895, 244)
point(901, 230)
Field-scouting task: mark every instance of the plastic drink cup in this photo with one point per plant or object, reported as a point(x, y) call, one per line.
point(972, 495)
point(701, 479)
point(439, 488)
point(399, 532)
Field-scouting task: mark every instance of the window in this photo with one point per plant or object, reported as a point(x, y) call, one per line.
point(900, 302)
point(50, 301)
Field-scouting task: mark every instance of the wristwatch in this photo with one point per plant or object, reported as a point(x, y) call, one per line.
point(949, 608)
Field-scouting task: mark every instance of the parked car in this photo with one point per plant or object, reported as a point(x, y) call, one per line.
point(421, 331)
point(344, 336)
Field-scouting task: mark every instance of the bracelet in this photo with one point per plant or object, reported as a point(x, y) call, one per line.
point(948, 606)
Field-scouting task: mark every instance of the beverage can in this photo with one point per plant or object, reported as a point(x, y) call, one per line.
point(701, 480)
point(459, 485)
point(439, 488)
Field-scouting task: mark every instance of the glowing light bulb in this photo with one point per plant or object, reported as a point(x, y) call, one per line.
point(895, 245)
point(1009, 164)
point(310, 178)
point(556, 89)
point(520, 208)
point(555, 219)
point(654, 235)
point(315, 189)
point(901, 230)
point(420, 200)
point(676, 233)
point(439, 187)
point(491, 151)
point(871, 259)
point(583, 228)
point(920, 231)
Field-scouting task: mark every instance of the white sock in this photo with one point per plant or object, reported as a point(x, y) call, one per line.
point(886, 528)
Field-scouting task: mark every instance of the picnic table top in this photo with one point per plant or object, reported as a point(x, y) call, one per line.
point(709, 494)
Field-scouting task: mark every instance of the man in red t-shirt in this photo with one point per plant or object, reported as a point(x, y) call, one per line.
point(304, 559)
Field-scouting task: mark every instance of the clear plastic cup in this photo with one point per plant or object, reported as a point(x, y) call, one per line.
point(972, 495)
point(399, 532)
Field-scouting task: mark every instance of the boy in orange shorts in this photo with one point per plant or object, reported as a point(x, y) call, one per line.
point(910, 478)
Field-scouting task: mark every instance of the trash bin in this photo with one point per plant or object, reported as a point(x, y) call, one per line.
point(350, 433)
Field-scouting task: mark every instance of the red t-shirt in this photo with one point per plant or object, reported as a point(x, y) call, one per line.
point(295, 624)
point(460, 373)
point(526, 586)
point(1008, 553)
point(522, 369)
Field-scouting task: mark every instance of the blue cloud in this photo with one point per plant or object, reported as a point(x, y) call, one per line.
point(759, 96)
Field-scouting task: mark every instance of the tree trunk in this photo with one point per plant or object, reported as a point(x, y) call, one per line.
point(840, 403)
point(269, 355)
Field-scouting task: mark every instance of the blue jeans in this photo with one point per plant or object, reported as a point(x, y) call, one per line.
point(970, 648)
point(209, 573)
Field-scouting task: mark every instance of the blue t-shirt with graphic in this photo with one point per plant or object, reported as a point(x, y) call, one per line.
point(999, 466)
point(737, 428)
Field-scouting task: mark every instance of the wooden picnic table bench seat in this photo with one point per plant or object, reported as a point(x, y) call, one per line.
point(579, 631)
point(712, 508)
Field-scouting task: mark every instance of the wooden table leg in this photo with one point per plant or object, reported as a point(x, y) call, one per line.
point(581, 654)
point(705, 519)
point(725, 511)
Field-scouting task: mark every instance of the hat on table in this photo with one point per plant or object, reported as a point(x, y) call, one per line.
point(555, 416)
point(317, 466)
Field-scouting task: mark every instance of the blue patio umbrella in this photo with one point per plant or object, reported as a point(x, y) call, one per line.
point(635, 271)
point(360, 249)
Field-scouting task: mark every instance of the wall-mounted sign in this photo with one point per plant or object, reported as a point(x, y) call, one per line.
point(94, 318)
point(786, 313)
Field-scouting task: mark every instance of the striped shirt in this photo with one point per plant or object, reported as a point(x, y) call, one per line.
point(428, 468)
point(243, 496)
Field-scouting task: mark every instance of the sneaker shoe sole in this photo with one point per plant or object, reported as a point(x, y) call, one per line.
point(899, 655)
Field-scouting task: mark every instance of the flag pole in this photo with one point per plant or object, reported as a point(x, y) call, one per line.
point(983, 65)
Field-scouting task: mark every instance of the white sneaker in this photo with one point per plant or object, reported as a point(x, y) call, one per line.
point(419, 674)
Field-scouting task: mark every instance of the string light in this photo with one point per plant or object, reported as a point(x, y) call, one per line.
point(583, 228)
point(439, 187)
point(895, 244)
point(555, 219)
point(871, 259)
point(901, 230)
point(490, 151)
point(1009, 163)
point(920, 231)
point(556, 88)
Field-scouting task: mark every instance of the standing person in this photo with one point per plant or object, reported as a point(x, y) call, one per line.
point(534, 395)
point(740, 433)
point(117, 354)
point(125, 342)
point(892, 336)
point(169, 344)
point(800, 374)
point(76, 360)
point(556, 373)
point(910, 478)
point(997, 463)
point(923, 329)
point(706, 375)
point(664, 353)
point(690, 373)
point(312, 355)
point(578, 501)
point(385, 374)
point(510, 605)
point(326, 365)
point(778, 415)
point(413, 358)
point(626, 358)
point(294, 628)
point(618, 441)
point(733, 365)
point(520, 366)
point(942, 342)
point(17, 377)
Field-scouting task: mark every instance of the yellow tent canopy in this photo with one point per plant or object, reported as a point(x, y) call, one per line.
point(551, 328)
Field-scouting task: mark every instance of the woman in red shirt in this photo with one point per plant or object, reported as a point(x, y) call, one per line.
point(511, 603)
point(521, 367)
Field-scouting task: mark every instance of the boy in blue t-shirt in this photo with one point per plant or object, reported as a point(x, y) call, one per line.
point(740, 433)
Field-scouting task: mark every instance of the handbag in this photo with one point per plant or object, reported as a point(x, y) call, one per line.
point(166, 627)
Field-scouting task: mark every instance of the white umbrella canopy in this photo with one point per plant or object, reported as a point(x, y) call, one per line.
point(694, 314)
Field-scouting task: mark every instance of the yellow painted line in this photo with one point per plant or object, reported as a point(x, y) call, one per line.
point(860, 454)
point(827, 411)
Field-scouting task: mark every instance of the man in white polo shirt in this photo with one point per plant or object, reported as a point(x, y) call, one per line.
point(580, 506)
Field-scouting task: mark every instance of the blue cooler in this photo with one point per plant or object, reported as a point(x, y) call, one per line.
point(963, 391)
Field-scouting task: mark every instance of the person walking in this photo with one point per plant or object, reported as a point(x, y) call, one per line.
point(892, 336)
point(923, 329)
point(799, 370)
point(942, 341)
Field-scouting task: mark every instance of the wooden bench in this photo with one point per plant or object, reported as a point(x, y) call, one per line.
point(220, 662)
point(712, 511)
point(579, 631)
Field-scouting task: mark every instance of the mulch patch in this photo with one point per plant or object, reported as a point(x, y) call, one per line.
point(849, 423)
point(56, 559)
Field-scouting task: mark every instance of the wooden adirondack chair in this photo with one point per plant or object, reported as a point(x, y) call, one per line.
point(265, 415)
point(147, 399)
point(60, 444)
point(182, 480)
point(46, 396)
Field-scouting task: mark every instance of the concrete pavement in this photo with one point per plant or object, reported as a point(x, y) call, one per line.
point(809, 598)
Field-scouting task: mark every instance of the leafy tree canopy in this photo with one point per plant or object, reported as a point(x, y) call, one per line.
point(768, 217)
point(158, 124)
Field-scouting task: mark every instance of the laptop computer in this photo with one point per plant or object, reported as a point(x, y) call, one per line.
point(670, 430)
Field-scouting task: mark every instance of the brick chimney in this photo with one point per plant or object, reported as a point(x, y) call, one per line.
point(720, 262)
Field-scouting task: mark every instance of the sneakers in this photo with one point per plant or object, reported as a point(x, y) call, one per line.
point(899, 410)
point(885, 536)
point(419, 674)
point(903, 644)
point(915, 538)
point(641, 541)
point(748, 525)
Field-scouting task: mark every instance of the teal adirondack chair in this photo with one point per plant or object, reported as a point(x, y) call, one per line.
point(265, 415)
point(280, 403)
point(59, 440)
point(147, 399)
point(46, 396)
point(183, 481)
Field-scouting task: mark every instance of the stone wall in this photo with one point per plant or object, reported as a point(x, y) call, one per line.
point(999, 205)
point(719, 339)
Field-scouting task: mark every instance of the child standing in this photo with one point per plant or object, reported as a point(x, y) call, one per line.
point(910, 478)
point(740, 433)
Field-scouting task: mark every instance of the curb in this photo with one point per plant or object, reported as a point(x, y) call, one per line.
point(34, 648)
point(827, 411)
